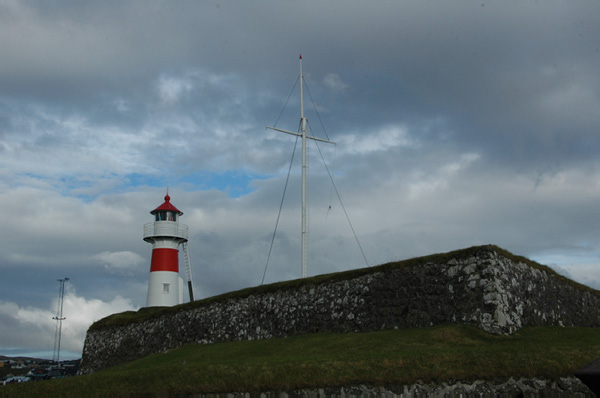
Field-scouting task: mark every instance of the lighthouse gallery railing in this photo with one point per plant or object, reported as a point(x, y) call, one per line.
point(165, 228)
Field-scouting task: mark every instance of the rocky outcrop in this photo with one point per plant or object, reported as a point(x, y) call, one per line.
point(512, 388)
point(483, 286)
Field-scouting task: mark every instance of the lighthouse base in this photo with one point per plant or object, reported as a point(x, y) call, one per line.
point(165, 289)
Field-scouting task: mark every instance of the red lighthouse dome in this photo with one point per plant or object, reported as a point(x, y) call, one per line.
point(167, 206)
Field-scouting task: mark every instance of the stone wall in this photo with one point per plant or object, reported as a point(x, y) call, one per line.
point(481, 286)
point(512, 388)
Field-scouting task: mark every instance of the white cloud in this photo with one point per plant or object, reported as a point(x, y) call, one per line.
point(432, 184)
point(81, 313)
point(45, 144)
point(385, 139)
point(334, 82)
point(171, 89)
point(580, 263)
point(585, 273)
point(123, 261)
point(33, 328)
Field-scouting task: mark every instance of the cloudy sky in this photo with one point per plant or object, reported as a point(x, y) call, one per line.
point(456, 124)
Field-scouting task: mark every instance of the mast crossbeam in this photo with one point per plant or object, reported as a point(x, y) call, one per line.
point(300, 135)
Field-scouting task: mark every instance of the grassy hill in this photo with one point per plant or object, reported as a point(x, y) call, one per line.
point(384, 358)
point(319, 360)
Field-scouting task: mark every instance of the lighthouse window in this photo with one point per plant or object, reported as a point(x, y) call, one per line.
point(166, 287)
point(161, 216)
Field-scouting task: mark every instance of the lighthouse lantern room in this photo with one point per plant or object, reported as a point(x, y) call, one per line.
point(166, 234)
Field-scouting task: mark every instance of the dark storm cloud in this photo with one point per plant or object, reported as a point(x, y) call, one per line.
point(456, 124)
point(508, 77)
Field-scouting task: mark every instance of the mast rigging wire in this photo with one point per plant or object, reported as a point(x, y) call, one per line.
point(286, 102)
point(316, 111)
point(279, 214)
point(326, 135)
point(342, 204)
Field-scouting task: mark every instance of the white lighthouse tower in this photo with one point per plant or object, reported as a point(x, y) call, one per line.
point(166, 234)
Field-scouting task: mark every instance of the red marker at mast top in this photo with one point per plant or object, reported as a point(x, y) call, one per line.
point(300, 56)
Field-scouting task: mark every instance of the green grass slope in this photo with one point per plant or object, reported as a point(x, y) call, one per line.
point(383, 358)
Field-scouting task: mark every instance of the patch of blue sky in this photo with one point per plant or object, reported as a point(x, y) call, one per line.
point(73, 186)
point(32, 179)
point(149, 180)
point(88, 188)
point(236, 183)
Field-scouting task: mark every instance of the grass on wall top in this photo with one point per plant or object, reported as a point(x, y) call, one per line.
point(146, 313)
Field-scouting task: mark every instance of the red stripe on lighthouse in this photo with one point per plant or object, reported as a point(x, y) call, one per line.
point(165, 260)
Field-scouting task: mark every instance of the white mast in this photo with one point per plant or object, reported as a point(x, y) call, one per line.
point(304, 233)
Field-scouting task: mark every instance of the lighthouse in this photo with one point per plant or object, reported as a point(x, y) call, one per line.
point(165, 288)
